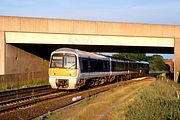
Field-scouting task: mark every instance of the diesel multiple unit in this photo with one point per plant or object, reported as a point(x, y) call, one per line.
point(72, 69)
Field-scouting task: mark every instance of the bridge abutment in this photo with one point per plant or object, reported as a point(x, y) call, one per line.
point(176, 59)
point(2, 53)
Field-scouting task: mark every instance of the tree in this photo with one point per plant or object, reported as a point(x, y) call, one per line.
point(156, 63)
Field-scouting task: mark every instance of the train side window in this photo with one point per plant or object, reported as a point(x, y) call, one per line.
point(106, 66)
point(100, 66)
point(84, 64)
point(146, 66)
point(117, 66)
point(113, 66)
point(96, 65)
point(126, 66)
point(92, 65)
point(134, 65)
point(130, 66)
point(120, 66)
point(138, 66)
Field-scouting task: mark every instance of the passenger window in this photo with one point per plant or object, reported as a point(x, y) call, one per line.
point(84, 64)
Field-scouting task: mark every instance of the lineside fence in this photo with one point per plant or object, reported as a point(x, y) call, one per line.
point(19, 78)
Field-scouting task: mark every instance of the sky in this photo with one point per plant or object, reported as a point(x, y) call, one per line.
point(132, 11)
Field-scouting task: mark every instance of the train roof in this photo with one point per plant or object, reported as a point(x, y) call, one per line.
point(121, 59)
point(126, 59)
point(81, 53)
point(144, 62)
point(94, 55)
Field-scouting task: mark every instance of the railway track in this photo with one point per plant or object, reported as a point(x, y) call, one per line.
point(38, 105)
point(10, 99)
point(6, 95)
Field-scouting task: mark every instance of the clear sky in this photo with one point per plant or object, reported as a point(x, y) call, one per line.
point(133, 11)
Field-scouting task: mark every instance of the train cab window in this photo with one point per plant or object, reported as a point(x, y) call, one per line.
point(69, 61)
point(56, 61)
point(63, 60)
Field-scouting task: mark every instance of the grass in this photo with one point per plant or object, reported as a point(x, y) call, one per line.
point(155, 102)
point(160, 100)
point(24, 84)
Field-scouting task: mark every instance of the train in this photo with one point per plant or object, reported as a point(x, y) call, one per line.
point(74, 69)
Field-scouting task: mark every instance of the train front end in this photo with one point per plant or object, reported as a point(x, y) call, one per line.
point(63, 70)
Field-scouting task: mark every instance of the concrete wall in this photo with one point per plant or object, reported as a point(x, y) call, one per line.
point(177, 59)
point(20, 61)
point(2, 53)
point(43, 25)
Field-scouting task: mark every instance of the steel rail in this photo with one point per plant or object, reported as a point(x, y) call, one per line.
point(12, 94)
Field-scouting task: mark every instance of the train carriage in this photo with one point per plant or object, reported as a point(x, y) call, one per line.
point(72, 69)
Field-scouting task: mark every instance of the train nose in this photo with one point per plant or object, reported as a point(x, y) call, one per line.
point(62, 83)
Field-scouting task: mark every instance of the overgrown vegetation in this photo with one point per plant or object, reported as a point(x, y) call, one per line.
point(24, 84)
point(156, 62)
point(157, 101)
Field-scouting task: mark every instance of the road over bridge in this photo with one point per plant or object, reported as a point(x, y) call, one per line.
point(26, 43)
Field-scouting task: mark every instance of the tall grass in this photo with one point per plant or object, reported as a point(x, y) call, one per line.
point(158, 101)
point(24, 84)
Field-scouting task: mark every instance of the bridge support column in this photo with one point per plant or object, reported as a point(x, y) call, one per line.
point(2, 53)
point(177, 60)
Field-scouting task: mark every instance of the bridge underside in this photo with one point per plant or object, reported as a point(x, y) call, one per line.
point(42, 44)
point(44, 50)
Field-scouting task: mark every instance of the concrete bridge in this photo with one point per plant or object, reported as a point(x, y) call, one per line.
point(26, 43)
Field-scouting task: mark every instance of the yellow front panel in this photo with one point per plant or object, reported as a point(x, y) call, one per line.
point(63, 72)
